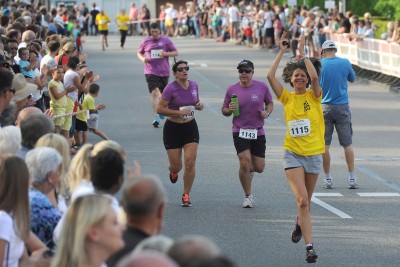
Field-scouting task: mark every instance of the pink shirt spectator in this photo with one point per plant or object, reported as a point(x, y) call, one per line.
point(133, 13)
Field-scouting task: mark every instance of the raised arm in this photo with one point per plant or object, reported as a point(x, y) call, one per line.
point(276, 86)
point(310, 70)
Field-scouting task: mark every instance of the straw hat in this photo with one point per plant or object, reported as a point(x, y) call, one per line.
point(22, 88)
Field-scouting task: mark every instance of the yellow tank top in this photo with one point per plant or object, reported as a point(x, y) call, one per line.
point(305, 125)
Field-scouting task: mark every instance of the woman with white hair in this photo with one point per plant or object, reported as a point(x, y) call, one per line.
point(44, 164)
point(10, 140)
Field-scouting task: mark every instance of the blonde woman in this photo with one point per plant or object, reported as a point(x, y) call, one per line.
point(14, 210)
point(91, 233)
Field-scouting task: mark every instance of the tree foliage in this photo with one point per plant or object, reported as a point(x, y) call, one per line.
point(389, 9)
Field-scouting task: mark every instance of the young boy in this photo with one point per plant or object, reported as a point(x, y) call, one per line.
point(24, 64)
point(89, 120)
point(58, 100)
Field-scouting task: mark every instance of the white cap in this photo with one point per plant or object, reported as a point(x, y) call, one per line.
point(329, 45)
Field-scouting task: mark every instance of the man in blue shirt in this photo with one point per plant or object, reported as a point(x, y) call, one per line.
point(335, 74)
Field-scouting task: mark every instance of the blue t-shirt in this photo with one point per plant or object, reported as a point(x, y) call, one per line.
point(27, 73)
point(44, 217)
point(335, 73)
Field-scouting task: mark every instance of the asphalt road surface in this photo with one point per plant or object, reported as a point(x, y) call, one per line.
point(350, 227)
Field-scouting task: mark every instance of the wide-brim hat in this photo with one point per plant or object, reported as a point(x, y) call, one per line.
point(22, 88)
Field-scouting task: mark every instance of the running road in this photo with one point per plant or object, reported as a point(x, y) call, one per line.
point(350, 227)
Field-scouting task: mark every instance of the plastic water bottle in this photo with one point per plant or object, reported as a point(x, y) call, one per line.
point(235, 100)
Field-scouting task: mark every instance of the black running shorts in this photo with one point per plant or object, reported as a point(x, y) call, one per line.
point(176, 135)
point(154, 82)
point(257, 147)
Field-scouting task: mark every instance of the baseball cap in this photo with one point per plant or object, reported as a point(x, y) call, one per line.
point(245, 64)
point(329, 45)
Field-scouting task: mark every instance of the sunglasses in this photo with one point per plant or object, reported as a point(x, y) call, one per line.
point(182, 69)
point(6, 65)
point(12, 90)
point(244, 71)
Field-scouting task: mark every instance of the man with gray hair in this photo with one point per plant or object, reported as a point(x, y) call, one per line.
point(143, 201)
point(32, 128)
point(190, 249)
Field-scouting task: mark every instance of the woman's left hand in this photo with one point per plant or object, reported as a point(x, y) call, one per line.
point(264, 114)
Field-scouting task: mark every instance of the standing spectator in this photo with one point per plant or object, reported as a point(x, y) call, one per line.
point(254, 105)
point(84, 10)
point(161, 18)
point(122, 21)
point(154, 52)
point(179, 101)
point(14, 210)
point(170, 16)
point(145, 20)
point(304, 141)
point(234, 20)
point(268, 37)
point(93, 15)
point(6, 89)
point(143, 201)
point(133, 18)
point(335, 74)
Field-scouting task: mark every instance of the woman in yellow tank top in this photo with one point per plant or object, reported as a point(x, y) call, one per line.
point(304, 141)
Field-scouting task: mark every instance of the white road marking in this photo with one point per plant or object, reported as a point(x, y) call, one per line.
point(327, 195)
point(330, 208)
point(378, 194)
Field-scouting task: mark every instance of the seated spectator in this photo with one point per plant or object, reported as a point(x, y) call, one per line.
point(148, 259)
point(44, 164)
point(23, 91)
point(10, 140)
point(14, 209)
point(160, 243)
point(91, 233)
point(219, 261)
point(60, 144)
point(143, 201)
point(192, 248)
point(32, 128)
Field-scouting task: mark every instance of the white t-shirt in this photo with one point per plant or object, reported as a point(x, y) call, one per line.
point(268, 19)
point(69, 77)
point(51, 64)
point(234, 14)
point(8, 233)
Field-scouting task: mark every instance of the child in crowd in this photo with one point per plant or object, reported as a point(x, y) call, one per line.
point(248, 35)
point(24, 64)
point(89, 120)
point(58, 100)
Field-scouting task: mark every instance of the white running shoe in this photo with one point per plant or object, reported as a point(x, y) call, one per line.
point(353, 183)
point(248, 202)
point(328, 183)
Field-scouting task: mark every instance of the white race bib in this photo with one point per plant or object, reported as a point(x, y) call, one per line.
point(156, 53)
point(299, 128)
point(191, 114)
point(103, 21)
point(248, 134)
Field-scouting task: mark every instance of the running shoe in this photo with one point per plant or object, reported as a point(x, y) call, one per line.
point(311, 255)
point(353, 183)
point(296, 233)
point(186, 201)
point(328, 183)
point(248, 202)
point(173, 177)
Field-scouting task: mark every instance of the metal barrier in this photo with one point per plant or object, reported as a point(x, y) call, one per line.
point(374, 59)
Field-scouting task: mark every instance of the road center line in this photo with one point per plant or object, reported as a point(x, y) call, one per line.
point(330, 208)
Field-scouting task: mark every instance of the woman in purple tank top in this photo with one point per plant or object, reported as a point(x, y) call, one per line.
point(179, 102)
